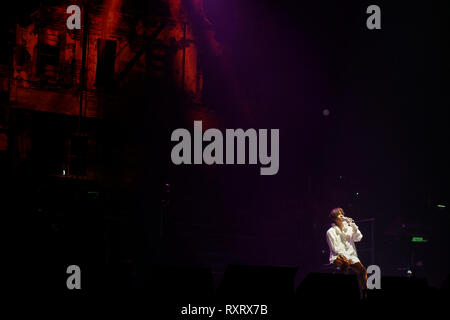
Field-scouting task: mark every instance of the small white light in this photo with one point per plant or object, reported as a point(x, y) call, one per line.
point(64, 172)
point(326, 112)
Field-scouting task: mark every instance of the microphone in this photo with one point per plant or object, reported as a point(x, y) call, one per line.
point(349, 220)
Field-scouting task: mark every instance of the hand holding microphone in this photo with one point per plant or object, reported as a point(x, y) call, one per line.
point(350, 221)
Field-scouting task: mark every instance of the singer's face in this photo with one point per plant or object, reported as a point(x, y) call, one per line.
point(340, 217)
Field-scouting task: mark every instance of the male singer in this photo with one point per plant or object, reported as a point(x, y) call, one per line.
point(341, 238)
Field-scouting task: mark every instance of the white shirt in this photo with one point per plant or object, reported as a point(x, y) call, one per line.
point(342, 242)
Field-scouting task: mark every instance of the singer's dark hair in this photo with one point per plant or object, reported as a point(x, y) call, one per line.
point(334, 213)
